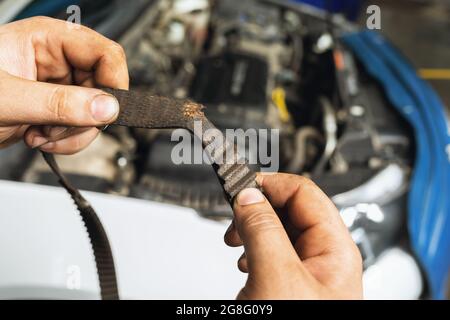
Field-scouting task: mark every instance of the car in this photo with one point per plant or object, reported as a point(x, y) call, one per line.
point(348, 110)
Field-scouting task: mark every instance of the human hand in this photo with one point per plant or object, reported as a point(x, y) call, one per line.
point(297, 249)
point(44, 65)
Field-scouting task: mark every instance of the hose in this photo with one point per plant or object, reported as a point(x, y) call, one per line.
point(330, 129)
point(298, 161)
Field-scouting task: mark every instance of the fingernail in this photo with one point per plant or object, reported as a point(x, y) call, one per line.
point(250, 196)
point(38, 141)
point(104, 107)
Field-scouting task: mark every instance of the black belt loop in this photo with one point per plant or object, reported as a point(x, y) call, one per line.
point(139, 110)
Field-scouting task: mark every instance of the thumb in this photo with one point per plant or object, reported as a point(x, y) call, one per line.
point(267, 245)
point(31, 102)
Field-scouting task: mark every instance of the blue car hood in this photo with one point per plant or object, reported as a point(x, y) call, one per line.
point(429, 197)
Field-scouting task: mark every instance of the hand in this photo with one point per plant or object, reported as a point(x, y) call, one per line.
point(300, 250)
point(44, 65)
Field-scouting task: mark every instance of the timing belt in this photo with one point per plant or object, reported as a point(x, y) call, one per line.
point(140, 110)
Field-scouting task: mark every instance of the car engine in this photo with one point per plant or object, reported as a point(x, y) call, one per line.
point(254, 65)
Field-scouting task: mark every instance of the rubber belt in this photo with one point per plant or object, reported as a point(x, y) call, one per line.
point(140, 110)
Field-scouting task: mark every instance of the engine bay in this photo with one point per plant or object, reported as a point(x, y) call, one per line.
point(255, 65)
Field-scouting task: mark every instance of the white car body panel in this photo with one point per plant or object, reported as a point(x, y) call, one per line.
point(161, 251)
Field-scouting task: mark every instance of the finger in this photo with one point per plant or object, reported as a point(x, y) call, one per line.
point(37, 136)
point(10, 135)
point(242, 263)
point(307, 204)
point(64, 80)
point(232, 237)
point(70, 145)
point(52, 132)
point(84, 49)
point(85, 79)
point(30, 102)
point(311, 211)
point(266, 243)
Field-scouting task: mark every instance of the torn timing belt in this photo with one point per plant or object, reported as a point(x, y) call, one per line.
point(139, 110)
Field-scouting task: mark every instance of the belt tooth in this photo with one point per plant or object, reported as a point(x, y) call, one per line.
point(236, 177)
point(247, 182)
point(219, 153)
point(223, 170)
point(230, 171)
point(238, 174)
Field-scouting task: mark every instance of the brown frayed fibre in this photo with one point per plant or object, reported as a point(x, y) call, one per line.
point(193, 110)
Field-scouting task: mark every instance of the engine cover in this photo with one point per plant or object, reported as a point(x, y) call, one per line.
point(233, 86)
